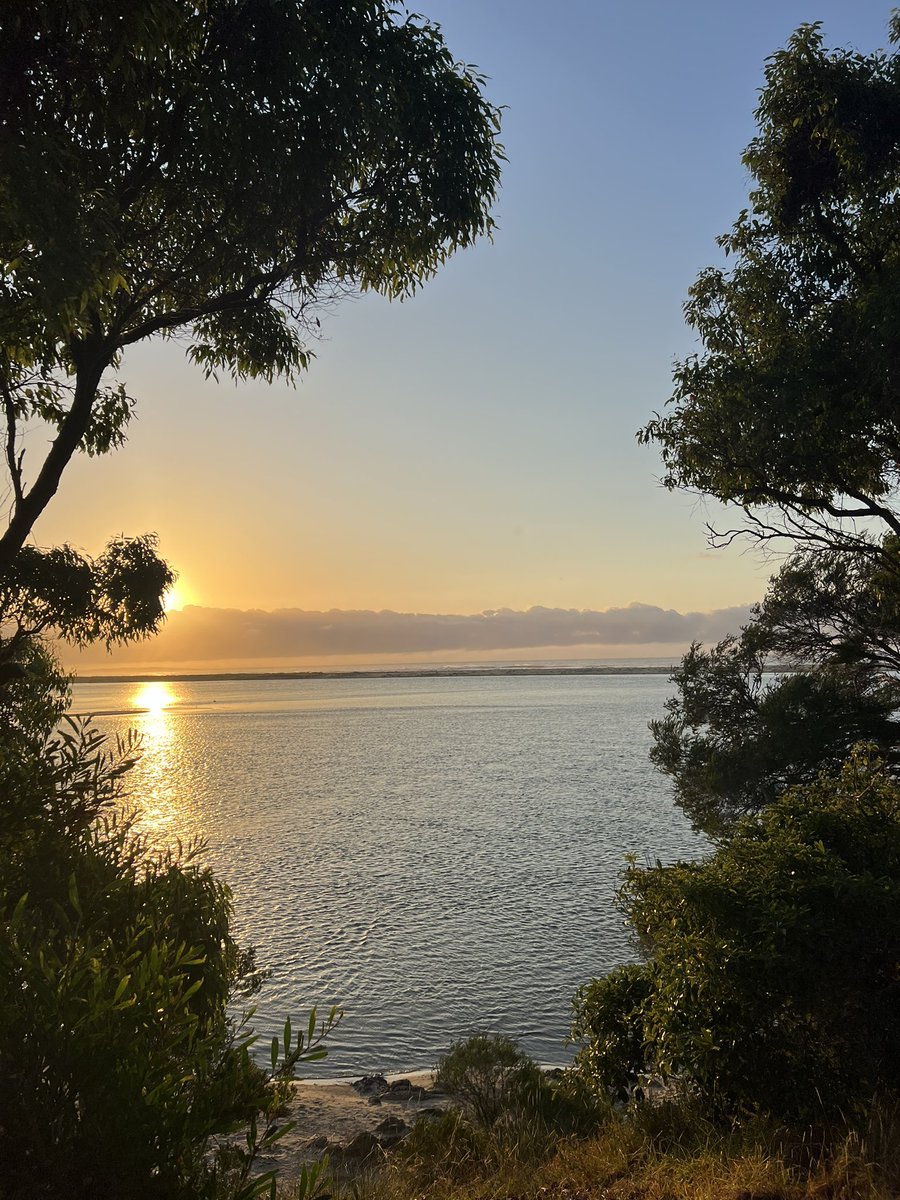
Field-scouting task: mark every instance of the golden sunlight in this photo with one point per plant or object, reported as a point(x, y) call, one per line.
point(153, 697)
point(173, 600)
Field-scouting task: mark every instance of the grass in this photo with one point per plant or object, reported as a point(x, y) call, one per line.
point(662, 1153)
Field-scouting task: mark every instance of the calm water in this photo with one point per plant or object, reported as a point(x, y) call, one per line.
point(438, 856)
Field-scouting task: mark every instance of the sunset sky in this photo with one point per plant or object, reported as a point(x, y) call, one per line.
point(473, 449)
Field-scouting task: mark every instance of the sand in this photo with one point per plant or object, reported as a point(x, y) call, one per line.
point(350, 1127)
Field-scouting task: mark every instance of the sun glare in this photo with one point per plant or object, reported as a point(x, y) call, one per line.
point(153, 697)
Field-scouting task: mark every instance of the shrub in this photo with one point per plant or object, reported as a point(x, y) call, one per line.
point(609, 1022)
point(489, 1075)
point(448, 1147)
point(771, 980)
point(121, 1070)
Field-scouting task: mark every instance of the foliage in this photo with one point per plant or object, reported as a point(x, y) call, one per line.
point(449, 1147)
point(489, 1075)
point(647, 1152)
point(500, 1131)
point(790, 412)
point(772, 966)
point(828, 607)
point(609, 1023)
point(791, 408)
point(261, 158)
point(116, 597)
point(123, 1074)
point(734, 738)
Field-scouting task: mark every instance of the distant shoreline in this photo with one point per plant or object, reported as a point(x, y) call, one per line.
point(503, 672)
point(393, 673)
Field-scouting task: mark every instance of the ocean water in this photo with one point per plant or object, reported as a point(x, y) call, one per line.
point(436, 856)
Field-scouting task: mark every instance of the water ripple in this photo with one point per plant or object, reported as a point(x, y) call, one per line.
point(437, 856)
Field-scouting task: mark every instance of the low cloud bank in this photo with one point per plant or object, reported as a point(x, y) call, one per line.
point(200, 634)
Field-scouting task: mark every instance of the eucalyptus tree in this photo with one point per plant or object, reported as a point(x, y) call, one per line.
point(790, 411)
point(790, 414)
point(216, 170)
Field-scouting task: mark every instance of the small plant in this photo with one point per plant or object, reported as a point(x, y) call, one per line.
point(489, 1075)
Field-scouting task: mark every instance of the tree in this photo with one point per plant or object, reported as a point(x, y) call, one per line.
point(735, 736)
point(219, 169)
point(216, 170)
point(790, 412)
point(771, 975)
point(771, 966)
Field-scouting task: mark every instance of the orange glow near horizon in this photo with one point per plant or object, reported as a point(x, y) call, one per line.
point(179, 596)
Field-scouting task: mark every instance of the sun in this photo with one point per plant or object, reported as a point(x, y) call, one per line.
point(179, 596)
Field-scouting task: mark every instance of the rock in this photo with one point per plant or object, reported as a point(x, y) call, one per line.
point(392, 1126)
point(432, 1112)
point(318, 1143)
point(402, 1089)
point(375, 1100)
point(362, 1146)
point(370, 1085)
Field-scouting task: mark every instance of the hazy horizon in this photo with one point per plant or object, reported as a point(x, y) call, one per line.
point(202, 638)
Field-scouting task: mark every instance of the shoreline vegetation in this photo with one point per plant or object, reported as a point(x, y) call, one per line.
point(404, 1137)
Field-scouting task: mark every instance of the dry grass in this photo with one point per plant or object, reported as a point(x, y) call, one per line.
point(668, 1155)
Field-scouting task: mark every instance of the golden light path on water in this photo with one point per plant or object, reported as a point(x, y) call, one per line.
point(153, 722)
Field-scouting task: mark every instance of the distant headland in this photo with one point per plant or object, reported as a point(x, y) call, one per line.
point(474, 672)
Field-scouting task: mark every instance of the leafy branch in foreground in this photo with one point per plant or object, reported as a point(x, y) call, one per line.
point(123, 1071)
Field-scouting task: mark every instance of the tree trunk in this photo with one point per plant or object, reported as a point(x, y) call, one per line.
point(74, 426)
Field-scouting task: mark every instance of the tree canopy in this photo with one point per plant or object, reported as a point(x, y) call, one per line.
point(734, 738)
point(791, 409)
point(217, 169)
point(790, 413)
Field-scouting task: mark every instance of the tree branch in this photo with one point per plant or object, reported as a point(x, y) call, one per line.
point(13, 462)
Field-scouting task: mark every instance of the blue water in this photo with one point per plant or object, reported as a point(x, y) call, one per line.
point(437, 856)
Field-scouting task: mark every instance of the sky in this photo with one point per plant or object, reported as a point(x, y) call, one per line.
point(473, 449)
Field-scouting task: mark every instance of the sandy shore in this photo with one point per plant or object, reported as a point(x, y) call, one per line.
point(351, 1123)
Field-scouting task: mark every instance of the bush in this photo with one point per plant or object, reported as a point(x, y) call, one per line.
point(771, 981)
point(609, 1022)
point(489, 1075)
point(121, 1071)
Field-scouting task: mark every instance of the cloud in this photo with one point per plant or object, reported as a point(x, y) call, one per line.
point(200, 634)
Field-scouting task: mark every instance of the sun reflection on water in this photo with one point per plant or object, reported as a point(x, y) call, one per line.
point(154, 722)
point(154, 697)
